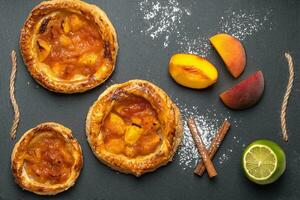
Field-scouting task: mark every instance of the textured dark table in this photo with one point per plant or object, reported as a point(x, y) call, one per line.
point(144, 58)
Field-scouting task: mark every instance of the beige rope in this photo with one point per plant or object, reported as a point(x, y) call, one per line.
point(14, 104)
point(286, 97)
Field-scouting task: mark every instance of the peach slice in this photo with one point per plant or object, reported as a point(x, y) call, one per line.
point(192, 71)
point(65, 40)
point(116, 146)
point(44, 49)
point(115, 124)
point(75, 22)
point(231, 51)
point(132, 135)
point(246, 93)
point(66, 25)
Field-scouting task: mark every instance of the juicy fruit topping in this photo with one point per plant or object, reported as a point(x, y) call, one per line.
point(88, 59)
point(71, 46)
point(66, 25)
point(149, 143)
point(133, 133)
point(192, 71)
point(44, 49)
point(48, 158)
point(136, 120)
point(65, 40)
point(76, 22)
point(57, 69)
point(231, 51)
point(133, 127)
point(115, 124)
point(246, 93)
point(116, 146)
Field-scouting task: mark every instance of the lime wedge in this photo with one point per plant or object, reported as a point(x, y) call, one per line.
point(263, 161)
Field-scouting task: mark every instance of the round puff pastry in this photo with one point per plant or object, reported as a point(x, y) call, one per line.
point(134, 127)
point(69, 46)
point(47, 159)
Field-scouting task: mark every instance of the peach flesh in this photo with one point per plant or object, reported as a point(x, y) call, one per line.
point(192, 71)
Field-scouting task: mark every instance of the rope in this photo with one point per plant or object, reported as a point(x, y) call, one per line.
point(286, 97)
point(14, 104)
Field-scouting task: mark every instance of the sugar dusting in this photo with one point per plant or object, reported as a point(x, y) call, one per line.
point(162, 18)
point(242, 24)
point(199, 45)
point(208, 122)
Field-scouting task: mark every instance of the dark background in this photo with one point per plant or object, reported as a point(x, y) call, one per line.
point(144, 58)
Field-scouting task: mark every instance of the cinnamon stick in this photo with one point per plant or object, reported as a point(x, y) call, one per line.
point(200, 168)
point(201, 148)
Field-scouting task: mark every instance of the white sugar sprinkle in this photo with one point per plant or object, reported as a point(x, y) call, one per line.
point(199, 46)
point(243, 23)
point(224, 157)
point(162, 19)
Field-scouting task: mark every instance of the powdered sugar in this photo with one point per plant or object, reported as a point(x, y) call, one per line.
point(164, 21)
point(199, 45)
point(162, 18)
point(243, 23)
point(224, 157)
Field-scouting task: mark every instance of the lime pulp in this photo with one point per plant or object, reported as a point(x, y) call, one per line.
point(263, 161)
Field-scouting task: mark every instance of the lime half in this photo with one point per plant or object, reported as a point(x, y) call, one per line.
point(263, 161)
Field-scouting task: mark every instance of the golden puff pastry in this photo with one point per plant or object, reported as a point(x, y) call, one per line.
point(47, 159)
point(134, 127)
point(69, 46)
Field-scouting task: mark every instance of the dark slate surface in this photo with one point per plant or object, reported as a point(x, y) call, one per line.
point(144, 58)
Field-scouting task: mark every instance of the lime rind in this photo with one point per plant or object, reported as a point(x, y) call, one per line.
point(260, 162)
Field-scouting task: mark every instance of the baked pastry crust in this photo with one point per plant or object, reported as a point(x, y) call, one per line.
point(41, 72)
point(168, 116)
point(20, 155)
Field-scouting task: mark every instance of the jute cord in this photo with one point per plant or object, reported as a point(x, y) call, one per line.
point(14, 103)
point(284, 105)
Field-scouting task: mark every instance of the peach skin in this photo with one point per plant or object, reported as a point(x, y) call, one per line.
point(246, 93)
point(192, 71)
point(231, 51)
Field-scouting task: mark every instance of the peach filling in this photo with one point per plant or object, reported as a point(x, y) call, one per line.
point(70, 45)
point(132, 128)
point(48, 158)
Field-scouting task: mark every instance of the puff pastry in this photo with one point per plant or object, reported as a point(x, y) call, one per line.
point(69, 46)
point(134, 127)
point(47, 159)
